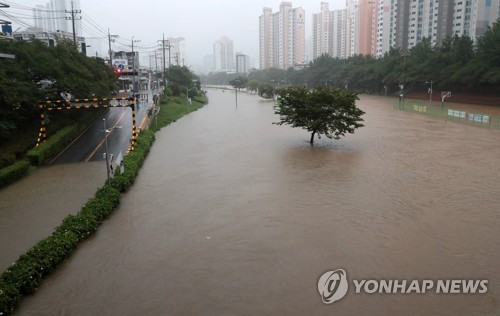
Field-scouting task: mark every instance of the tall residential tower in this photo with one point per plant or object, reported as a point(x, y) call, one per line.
point(223, 55)
point(329, 30)
point(282, 37)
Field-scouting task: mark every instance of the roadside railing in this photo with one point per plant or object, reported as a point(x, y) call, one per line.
point(461, 116)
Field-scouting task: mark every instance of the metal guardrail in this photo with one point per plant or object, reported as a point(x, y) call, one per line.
point(461, 116)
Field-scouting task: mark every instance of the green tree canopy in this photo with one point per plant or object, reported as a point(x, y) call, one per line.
point(238, 82)
point(253, 85)
point(266, 91)
point(181, 75)
point(324, 111)
point(40, 72)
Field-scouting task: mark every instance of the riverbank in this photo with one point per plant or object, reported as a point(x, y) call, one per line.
point(24, 275)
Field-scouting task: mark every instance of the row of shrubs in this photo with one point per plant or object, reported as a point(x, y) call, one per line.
point(26, 274)
point(13, 172)
point(39, 155)
point(44, 153)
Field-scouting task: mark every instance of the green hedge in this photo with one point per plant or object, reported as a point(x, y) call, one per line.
point(46, 151)
point(13, 172)
point(133, 161)
point(43, 153)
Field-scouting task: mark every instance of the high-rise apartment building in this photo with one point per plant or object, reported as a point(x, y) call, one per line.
point(361, 27)
point(412, 20)
point(385, 26)
point(282, 37)
point(52, 17)
point(242, 63)
point(266, 39)
point(337, 39)
point(223, 55)
point(175, 54)
point(484, 14)
point(373, 27)
point(321, 31)
point(329, 32)
point(404, 23)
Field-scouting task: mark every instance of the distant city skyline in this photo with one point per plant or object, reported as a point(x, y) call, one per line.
point(200, 22)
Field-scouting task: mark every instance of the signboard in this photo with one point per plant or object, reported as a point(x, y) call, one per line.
point(420, 108)
point(454, 113)
point(478, 118)
point(118, 62)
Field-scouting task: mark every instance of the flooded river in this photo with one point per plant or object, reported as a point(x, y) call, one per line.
point(232, 215)
point(32, 207)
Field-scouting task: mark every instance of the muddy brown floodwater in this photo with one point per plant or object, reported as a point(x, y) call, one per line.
point(32, 207)
point(232, 215)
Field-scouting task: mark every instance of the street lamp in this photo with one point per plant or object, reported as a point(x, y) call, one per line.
point(402, 86)
point(237, 83)
point(106, 147)
point(430, 92)
point(108, 157)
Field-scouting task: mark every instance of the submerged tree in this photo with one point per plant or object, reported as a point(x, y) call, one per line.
point(324, 111)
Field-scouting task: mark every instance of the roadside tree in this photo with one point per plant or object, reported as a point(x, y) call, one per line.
point(324, 111)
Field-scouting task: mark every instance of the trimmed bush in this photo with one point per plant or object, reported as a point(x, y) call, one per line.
point(133, 162)
point(43, 153)
point(13, 172)
point(7, 159)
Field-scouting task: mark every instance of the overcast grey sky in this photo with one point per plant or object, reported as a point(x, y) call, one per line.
point(200, 22)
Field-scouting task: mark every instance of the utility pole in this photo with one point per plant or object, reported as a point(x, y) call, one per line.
point(156, 61)
point(109, 43)
point(133, 62)
point(164, 66)
point(72, 18)
point(169, 56)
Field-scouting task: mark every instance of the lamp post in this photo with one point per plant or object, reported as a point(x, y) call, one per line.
point(237, 83)
point(106, 147)
point(402, 85)
point(430, 92)
point(109, 157)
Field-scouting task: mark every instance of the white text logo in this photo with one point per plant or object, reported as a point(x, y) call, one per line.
point(333, 286)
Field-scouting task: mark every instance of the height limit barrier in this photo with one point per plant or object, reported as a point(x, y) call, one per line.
point(90, 103)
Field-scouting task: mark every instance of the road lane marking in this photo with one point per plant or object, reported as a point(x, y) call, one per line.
point(102, 141)
point(77, 138)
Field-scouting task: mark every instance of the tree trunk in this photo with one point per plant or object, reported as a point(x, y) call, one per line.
point(312, 138)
